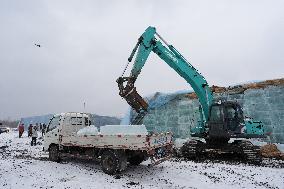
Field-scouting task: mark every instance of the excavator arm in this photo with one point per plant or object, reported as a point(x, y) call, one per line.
point(151, 41)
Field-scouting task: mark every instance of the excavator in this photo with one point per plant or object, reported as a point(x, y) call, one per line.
point(220, 120)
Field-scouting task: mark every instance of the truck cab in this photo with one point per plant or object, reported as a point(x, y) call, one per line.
point(64, 125)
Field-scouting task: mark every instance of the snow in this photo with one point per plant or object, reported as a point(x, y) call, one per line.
point(124, 130)
point(89, 130)
point(24, 166)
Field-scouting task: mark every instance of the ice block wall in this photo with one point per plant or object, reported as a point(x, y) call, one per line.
point(262, 101)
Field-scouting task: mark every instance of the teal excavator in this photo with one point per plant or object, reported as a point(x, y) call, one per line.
point(220, 120)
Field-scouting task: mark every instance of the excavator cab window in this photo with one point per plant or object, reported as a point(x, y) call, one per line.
point(233, 117)
point(216, 115)
point(231, 113)
point(216, 125)
point(240, 114)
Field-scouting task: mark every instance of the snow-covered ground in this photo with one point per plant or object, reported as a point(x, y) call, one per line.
point(24, 166)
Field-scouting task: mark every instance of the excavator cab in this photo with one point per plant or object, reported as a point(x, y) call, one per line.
point(226, 120)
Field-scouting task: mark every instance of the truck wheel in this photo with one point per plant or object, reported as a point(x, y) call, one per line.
point(113, 162)
point(54, 153)
point(135, 160)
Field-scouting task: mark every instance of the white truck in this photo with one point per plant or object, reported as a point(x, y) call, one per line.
point(72, 135)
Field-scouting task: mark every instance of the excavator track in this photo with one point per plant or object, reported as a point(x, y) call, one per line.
point(250, 152)
point(190, 149)
point(247, 152)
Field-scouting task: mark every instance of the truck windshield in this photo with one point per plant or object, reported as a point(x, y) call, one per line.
point(54, 122)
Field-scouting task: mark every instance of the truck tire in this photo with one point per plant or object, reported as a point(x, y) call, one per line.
point(54, 153)
point(113, 161)
point(135, 160)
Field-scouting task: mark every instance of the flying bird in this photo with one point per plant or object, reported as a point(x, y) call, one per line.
point(37, 45)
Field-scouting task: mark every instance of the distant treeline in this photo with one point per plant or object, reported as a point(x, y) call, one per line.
point(9, 123)
point(96, 120)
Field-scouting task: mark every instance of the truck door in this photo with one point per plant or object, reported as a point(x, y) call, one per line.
point(52, 131)
point(71, 125)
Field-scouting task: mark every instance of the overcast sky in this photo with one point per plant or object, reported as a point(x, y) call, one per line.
point(85, 46)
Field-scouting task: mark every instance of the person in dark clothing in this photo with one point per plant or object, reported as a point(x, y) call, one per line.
point(43, 129)
point(30, 130)
point(21, 129)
